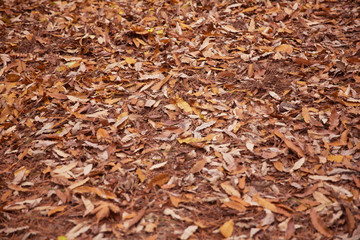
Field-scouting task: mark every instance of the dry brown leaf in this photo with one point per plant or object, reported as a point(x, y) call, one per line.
point(290, 230)
point(140, 175)
point(319, 224)
point(104, 209)
point(305, 114)
point(334, 119)
point(198, 166)
point(128, 224)
point(342, 141)
point(153, 237)
point(235, 205)
point(103, 193)
point(290, 144)
point(79, 183)
point(350, 220)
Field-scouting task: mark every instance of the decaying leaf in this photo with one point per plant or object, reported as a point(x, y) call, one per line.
point(319, 225)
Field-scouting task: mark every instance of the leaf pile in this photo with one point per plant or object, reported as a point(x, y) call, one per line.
point(179, 119)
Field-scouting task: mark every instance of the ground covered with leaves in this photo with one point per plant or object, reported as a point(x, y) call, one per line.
point(180, 119)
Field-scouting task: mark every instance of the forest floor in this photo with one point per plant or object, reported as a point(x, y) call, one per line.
point(180, 119)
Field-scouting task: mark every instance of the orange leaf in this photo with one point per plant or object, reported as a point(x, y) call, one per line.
point(235, 205)
point(56, 209)
point(198, 166)
point(278, 165)
point(319, 224)
point(103, 193)
point(342, 141)
point(159, 180)
point(175, 200)
point(286, 48)
point(242, 182)
point(102, 134)
point(227, 228)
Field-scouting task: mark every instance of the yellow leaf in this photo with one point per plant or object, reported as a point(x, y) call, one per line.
point(184, 105)
point(190, 140)
point(130, 60)
point(335, 158)
point(305, 114)
point(227, 228)
point(264, 203)
point(61, 238)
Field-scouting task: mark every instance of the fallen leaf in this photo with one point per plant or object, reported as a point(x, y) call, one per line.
point(350, 220)
point(319, 224)
point(264, 203)
point(305, 114)
point(140, 175)
point(104, 209)
point(285, 48)
point(251, 27)
point(198, 166)
point(235, 205)
point(290, 144)
point(183, 105)
point(56, 209)
point(188, 232)
point(159, 180)
point(227, 228)
point(175, 200)
point(229, 189)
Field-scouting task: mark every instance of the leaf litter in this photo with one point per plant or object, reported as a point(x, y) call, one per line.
point(179, 119)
